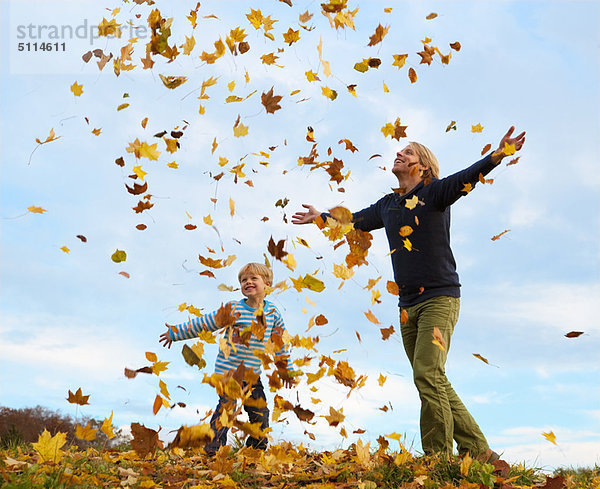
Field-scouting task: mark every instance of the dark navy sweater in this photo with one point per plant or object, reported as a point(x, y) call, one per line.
point(429, 269)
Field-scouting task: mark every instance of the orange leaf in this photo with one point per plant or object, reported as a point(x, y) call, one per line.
point(78, 398)
point(371, 317)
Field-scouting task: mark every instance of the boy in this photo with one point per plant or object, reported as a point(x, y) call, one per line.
point(253, 324)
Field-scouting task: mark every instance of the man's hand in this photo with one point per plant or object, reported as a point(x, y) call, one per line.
point(166, 337)
point(517, 142)
point(305, 217)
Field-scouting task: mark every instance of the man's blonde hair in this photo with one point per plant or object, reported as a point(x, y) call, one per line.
point(259, 269)
point(427, 159)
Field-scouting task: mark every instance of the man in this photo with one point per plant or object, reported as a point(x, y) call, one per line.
point(416, 219)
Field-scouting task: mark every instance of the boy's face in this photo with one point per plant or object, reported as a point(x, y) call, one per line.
point(253, 286)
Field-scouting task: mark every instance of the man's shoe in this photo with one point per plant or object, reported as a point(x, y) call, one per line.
point(487, 457)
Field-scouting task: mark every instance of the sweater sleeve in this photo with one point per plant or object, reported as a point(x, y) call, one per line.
point(448, 190)
point(195, 326)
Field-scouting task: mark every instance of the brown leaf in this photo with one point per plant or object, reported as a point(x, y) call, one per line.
point(125, 274)
point(455, 46)
point(141, 227)
point(276, 250)
point(137, 188)
point(486, 148)
point(130, 374)
point(380, 33)
point(270, 101)
point(78, 398)
point(412, 75)
point(144, 441)
point(574, 334)
point(190, 227)
point(320, 320)
point(208, 273)
point(142, 206)
point(82, 238)
point(225, 316)
point(119, 161)
point(387, 332)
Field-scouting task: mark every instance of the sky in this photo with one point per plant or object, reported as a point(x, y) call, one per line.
point(69, 318)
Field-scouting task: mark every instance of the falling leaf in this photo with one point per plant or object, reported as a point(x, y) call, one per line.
point(125, 274)
point(231, 206)
point(118, 256)
point(412, 202)
point(51, 137)
point(172, 81)
point(371, 317)
point(514, 161)
point(78, 398)
point(574, 334)
point(451, 126)
point(380, 33)
point(36, 210)
point(497, 237)
point(291, 36)
point(121, 107)
point(412, 75)
point(438, 339)
point(49, 447)
point(477, 128)
point(77, 89)
point(407, 244)
point(65, 249)
point(484, 360)
point(381, 380)
point(467, 188)
point(405, 231)
point(239, 130)
point(486, 148)
point(270, 101)
point(139, 172)
point(329, 93)
point(403, 316)
point(145, 440)
point(158, 367)
point(386, 332)
point(86, 433)
point(399, 60)
point(432, 15)
point(335, 417)
point(550, 436)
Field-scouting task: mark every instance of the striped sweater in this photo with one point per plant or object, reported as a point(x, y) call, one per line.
point(242, 351)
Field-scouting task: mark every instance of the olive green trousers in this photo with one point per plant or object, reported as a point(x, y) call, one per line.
point(443, 415)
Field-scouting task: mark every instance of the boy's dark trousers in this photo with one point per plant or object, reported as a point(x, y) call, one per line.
point(255, 415)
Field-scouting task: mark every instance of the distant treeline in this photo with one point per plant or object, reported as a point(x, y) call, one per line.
point(25, 425)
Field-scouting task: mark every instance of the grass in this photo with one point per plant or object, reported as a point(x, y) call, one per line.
point(281, 466)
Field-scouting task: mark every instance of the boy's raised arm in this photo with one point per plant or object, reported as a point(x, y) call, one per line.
point(166, 337)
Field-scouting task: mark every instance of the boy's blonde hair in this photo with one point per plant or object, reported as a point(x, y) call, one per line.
point(427, 159)
point(259, 269)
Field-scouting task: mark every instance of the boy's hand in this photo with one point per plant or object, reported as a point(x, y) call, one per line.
point(166, 337)
point(288, 383)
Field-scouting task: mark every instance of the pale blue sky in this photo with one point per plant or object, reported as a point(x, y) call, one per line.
point(70, 320)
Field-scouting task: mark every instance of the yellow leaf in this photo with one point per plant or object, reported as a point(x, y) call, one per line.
point(412, 202)
point(158, 367)
point(239, 130)
point(149, 151)
point(477, 128)
point(208, 220)
point(96, 132)
point(255, 18)
point(171, 145)
point(77, 89)
point(231, 206)
point(508, 149)
point(150, 356)
point(375, 296)
point(269, 59)
point(363, 457)
point(223, 161)
point(484, 360)
point(311, 76)
point(51, 137)
point(107, 427)
point(36, 210)
point(65, 249)
point(290, 261)
point(387, 10)
point(163, 389)
point(407, 244)
point(122, 106)
point(85, 433)
point(231, 85)
point(214, 146)
point(342, 271)
point(173, 165)
point(188, 45)
point(438, 339)
point(291, 36)
point(106, 28)
point(467, 188)
point(550, 436)
point(49, 447)
point(465, 465)
point(432, 15)
point(335, 417)
point(139, 172)
point(385, 88)
point(381, 380)
point(399, 60)
point(329, 93)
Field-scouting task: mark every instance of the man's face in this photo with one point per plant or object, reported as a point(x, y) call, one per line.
point(407, 162)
